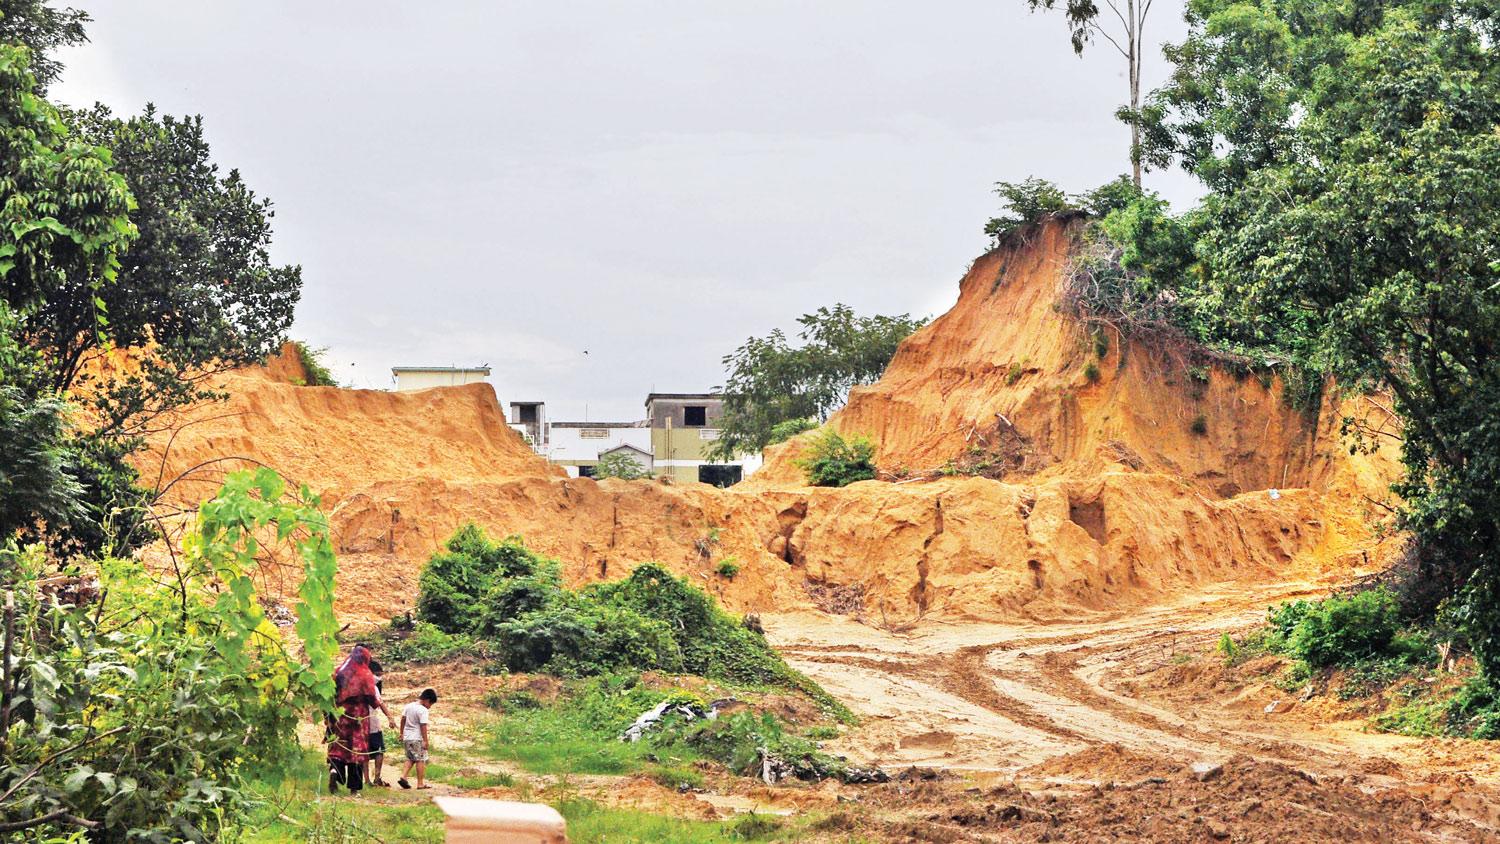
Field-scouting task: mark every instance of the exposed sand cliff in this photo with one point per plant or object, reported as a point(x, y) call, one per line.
point(1121, 500)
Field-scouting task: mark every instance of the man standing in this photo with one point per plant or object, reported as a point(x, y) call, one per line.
point(414, 738)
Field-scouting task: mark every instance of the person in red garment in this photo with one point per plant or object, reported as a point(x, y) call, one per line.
point(348, 741)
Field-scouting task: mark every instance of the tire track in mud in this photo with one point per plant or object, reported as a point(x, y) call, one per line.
point(1035, 681)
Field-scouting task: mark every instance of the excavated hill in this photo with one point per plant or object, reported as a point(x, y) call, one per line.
point(1106, 495)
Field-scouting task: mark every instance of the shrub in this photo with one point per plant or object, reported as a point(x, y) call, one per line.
point(576, 637)
point(140, 706)
point(786, 429)
point(512, 600)
point(728, 569)
point(457, 587)
point(1091, 372)
point(1013, 374)
point(834, 461)
point(1343, 630)
point(428, 643)
point(1200, 425)
point(1101, 343)
point(318, 374)
point(1025, 203)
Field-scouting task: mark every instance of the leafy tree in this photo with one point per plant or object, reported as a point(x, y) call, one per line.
point(618, 464)
point(196, 293)
point(36, 24)
point(1084, 26)
point(771, 381)
point(197, 290)
point(1353, 223)
point(62, 215)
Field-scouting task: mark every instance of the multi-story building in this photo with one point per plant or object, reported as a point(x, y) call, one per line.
point(684, 426)
point(529, 419)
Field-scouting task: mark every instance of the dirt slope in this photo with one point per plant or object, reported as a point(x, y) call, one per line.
point(1119, 502)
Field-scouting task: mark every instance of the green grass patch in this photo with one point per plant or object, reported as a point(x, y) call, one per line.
point(591, 822)
point(579, 733)
point(294, 806)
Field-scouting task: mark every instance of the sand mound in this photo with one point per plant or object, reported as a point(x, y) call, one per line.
point(1117, 501)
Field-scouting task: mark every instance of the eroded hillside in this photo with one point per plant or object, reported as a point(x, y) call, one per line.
point(1112, 498)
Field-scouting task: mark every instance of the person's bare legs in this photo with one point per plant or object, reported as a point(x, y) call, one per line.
point(379, 767)
point(421, 775)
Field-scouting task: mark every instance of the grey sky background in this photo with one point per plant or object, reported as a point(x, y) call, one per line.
point(515, 183)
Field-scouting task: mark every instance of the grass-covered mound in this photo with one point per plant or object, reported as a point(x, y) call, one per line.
point(507, 601)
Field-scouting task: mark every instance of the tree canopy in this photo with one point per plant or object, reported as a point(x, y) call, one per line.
point(770, 381)
point(118, 234)
point(1352, 226)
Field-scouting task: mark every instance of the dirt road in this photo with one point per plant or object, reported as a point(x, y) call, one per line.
point(1082, 704)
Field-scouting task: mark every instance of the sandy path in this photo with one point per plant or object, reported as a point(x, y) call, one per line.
point(993, 697)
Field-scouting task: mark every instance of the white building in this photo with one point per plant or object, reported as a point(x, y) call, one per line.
point(425, 377)
point(577, 446)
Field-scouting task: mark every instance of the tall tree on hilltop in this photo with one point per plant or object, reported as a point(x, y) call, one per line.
point(1353, 223)
point(1084, 26)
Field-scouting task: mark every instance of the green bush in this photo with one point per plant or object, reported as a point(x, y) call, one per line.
point(1340, 631)
point(786, 429)
point(504, 598)
point(458, 588)
point(318, 374)
point(1027, 202)
point(831, 460)
point(1346, 631)
point(428, 643)
point(1200, 425)
point(728, 569)
point(575, 637)
point(1091, 372)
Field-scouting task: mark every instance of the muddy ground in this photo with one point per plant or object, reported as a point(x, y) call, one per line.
point(1091, 730)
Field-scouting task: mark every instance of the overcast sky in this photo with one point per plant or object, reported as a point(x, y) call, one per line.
point(520, 183)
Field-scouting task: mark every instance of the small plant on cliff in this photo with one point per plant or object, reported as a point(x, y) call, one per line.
point(1014, 374)
point(1091, 372)
point(1200, 425)
point(318, 374)
point(832, 460)
point(1026, 202)
point(728, 568)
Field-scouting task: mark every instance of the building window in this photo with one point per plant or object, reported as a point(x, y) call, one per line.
point(585, 471)
point(719, 475)
point(694, 416)
point(593, 433)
